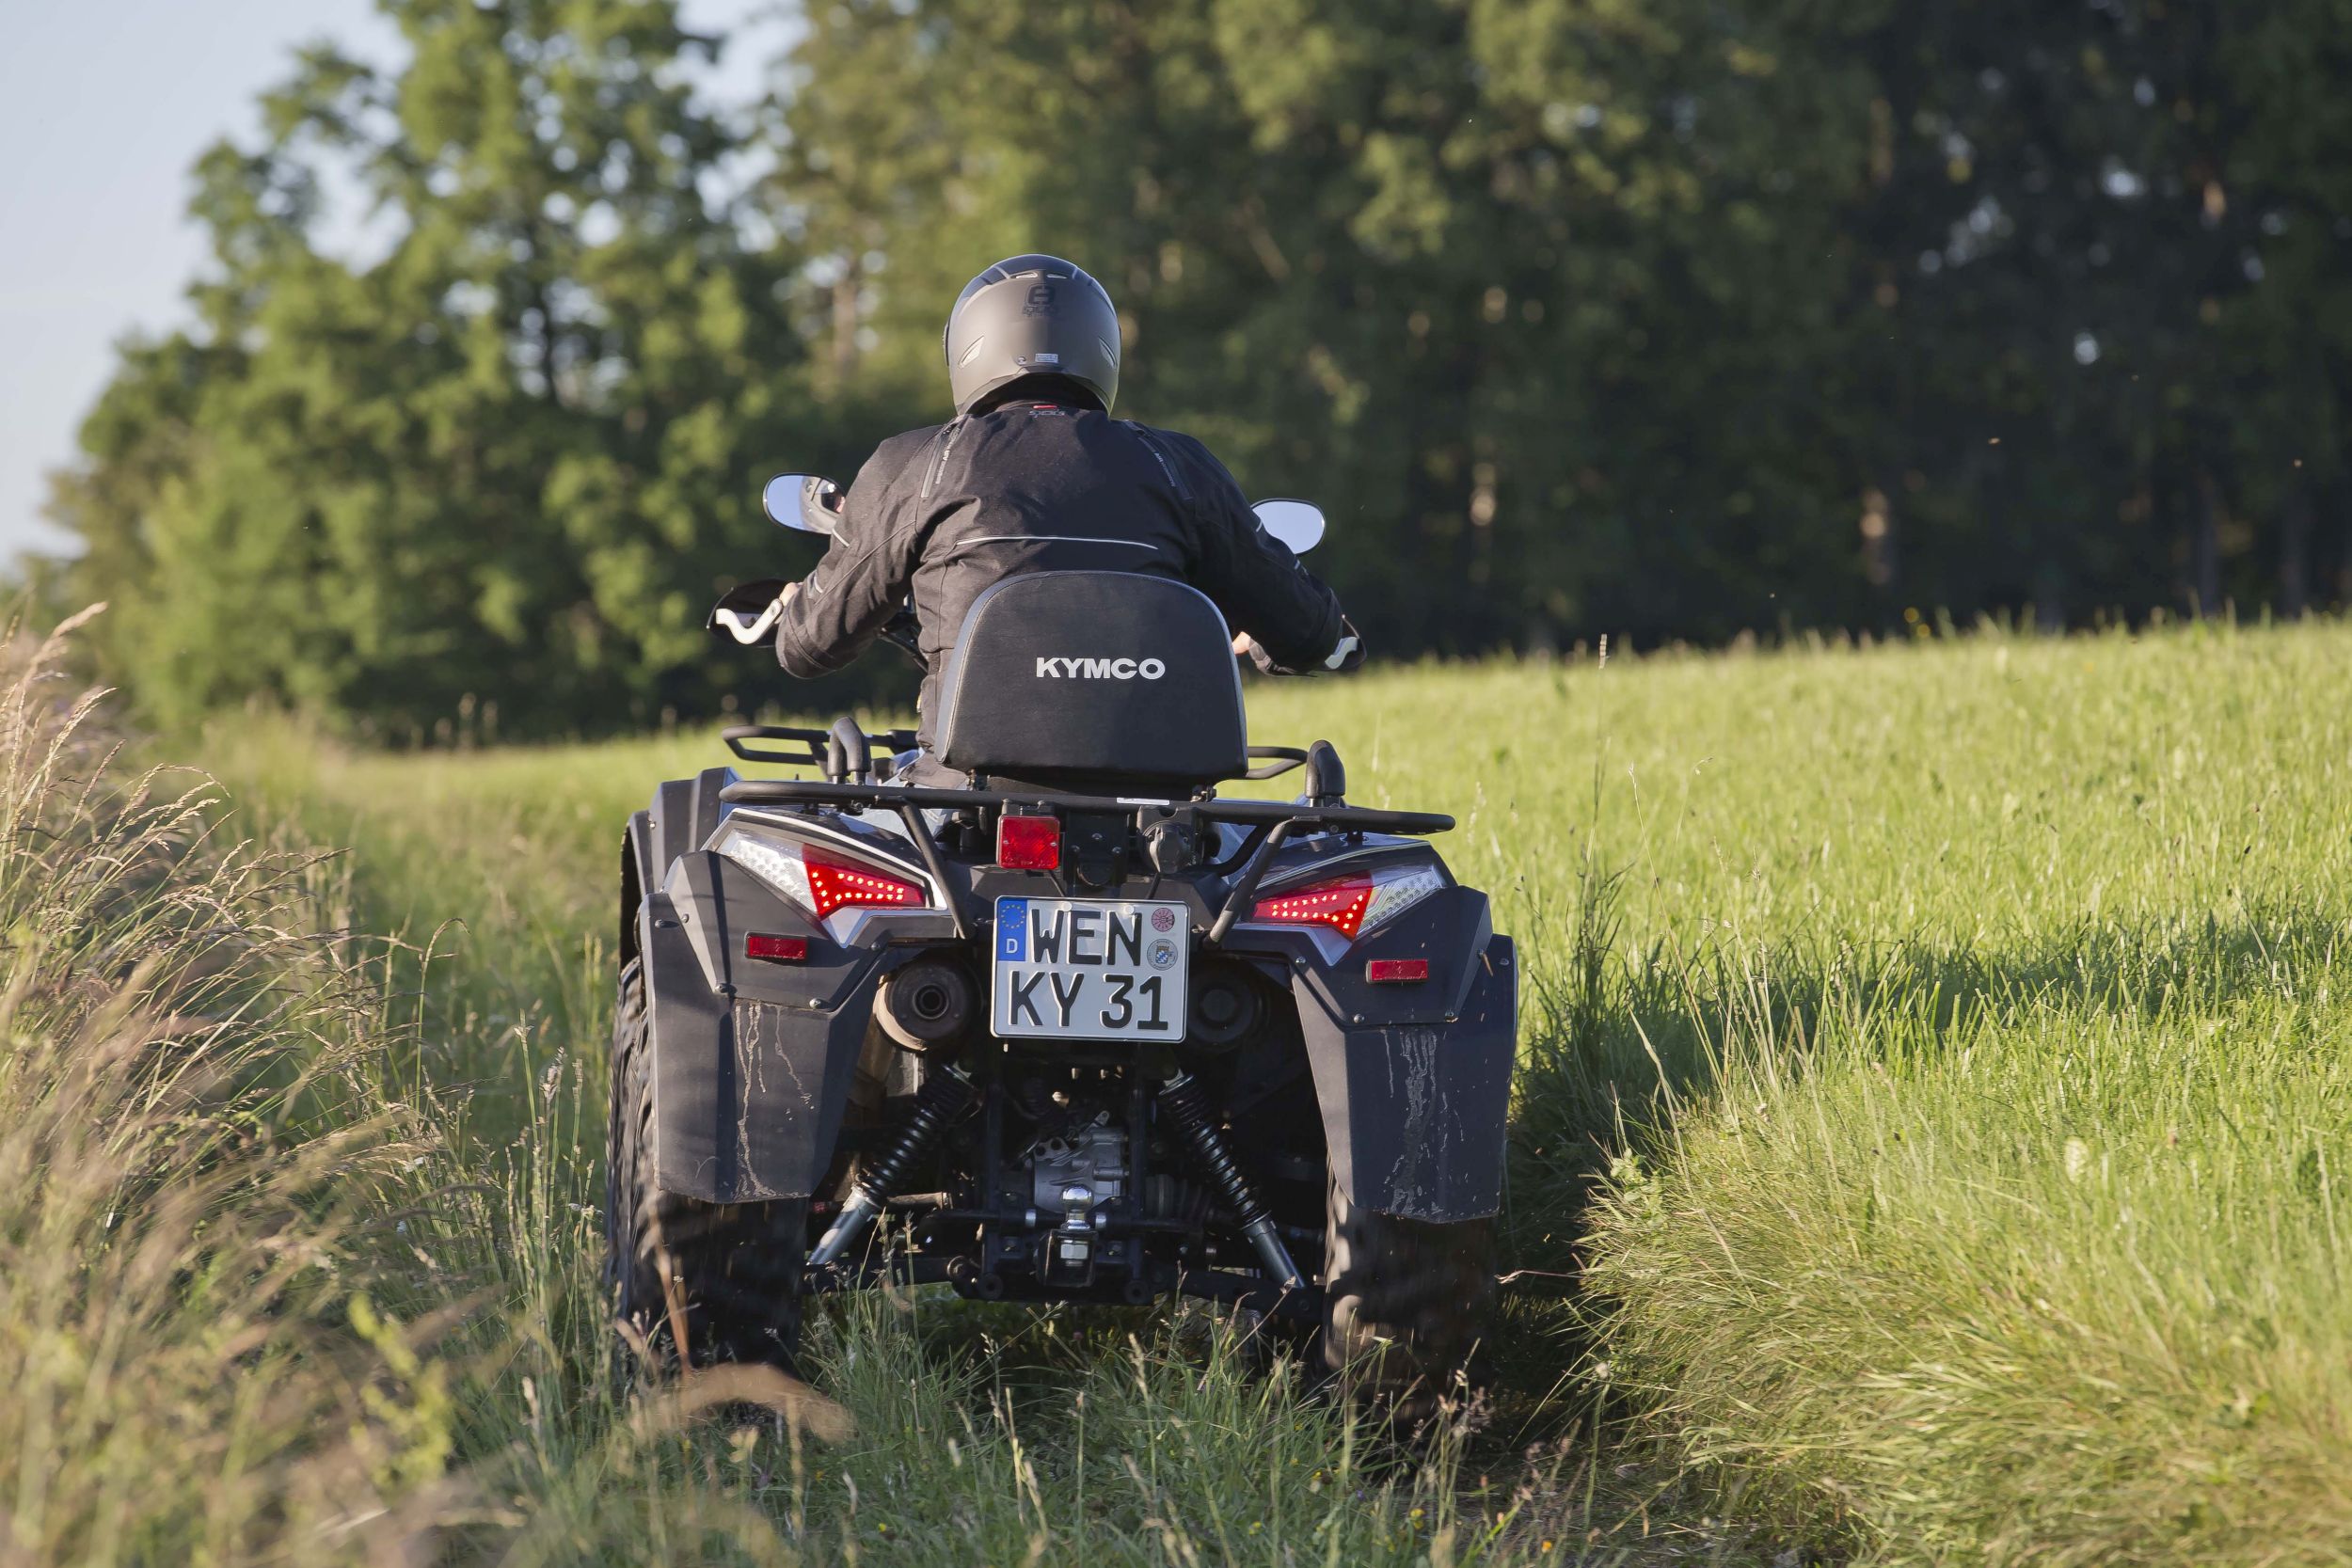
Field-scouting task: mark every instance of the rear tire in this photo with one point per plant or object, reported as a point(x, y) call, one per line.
point(1406, 1303)
point(734, 1269)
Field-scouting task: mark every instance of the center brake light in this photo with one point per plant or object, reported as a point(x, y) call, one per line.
point(1354, 903)
point(1028, 843)
point(818, 880)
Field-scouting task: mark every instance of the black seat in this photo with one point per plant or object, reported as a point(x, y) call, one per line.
point(1068, 679)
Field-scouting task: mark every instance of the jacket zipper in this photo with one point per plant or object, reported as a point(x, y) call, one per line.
point(938, 455)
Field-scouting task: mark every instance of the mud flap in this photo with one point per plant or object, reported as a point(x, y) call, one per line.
point(1416, 1105)
point(752, 1063)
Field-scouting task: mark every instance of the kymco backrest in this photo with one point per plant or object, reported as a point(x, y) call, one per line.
point(1101, 673)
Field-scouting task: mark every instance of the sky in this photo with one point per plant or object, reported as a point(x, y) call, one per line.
point(104, 106)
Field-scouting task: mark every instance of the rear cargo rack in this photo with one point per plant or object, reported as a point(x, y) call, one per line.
point(844, 752)
point(1271, 823)
point(862, 797)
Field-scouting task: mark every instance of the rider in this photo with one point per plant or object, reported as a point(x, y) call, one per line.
point(1034, 475)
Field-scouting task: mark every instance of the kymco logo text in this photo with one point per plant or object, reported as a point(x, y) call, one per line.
point(1100, 669)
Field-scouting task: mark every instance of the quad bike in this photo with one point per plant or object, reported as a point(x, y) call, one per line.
point(1080, 1030)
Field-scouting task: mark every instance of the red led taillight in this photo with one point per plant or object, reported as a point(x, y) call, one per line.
point(838, 885)
point(1340, 905)
point(776, 949)
point(1028, 843)
point(1397, 971)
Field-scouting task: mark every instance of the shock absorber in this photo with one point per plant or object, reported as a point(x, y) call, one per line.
point(1187, 1107)
point(944, 1096)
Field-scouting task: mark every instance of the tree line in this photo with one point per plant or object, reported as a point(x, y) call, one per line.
point(1652, 318)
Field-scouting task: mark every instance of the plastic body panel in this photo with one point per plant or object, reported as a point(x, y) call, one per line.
point(1415, 1113)
point(752, 1061)
point(1415, 1081)
point(685, 812)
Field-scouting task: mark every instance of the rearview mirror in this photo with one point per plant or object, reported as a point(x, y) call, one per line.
point(804, 501)
point(1297, 524)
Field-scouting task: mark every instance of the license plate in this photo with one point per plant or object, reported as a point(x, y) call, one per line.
point(1089, 969)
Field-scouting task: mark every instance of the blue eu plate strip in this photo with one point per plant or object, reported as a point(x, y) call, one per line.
point(1013, 931)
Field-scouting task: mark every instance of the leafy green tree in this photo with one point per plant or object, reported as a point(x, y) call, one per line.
point(1648, 317)
point(1442, 267)
point(505, 460)
point(2091, 254)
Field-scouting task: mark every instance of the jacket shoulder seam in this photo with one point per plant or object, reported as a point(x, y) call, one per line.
point(1151, 444)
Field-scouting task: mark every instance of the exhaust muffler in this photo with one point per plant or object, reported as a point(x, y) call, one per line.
point(928, 1003)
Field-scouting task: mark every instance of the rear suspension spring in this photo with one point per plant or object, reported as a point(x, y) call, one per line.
point(944, 1096)
point(1186, 1106)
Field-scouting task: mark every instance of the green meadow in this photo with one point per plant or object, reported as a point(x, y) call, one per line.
point(1932, 1139)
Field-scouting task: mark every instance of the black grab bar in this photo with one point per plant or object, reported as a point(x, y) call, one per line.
point(858, 797)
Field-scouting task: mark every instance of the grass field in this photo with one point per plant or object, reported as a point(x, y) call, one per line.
point(1938, 1058)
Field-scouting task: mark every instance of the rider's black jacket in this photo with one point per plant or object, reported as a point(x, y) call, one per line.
point(1028, 487)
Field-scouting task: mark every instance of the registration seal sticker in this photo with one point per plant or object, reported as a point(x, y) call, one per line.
point(1163, 952)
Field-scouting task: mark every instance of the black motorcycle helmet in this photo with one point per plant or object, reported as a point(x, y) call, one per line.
point(1032, 316)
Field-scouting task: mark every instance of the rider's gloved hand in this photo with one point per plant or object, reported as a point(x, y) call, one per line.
point(748, 612)
point(1347, 655)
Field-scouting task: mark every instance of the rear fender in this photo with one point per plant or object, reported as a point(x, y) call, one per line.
point(1415, 1080)
point(685, 813)
point(637, 875)
point(752, 1061)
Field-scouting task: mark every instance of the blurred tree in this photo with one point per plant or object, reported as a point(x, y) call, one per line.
point(2091, 376)
point(491, 465)
point(2292, 168)
point(1442, 267)
point(1650, 317)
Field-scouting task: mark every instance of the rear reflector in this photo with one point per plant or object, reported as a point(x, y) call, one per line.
point(1397, 971)
point(1028, 843)
point(774, 949)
